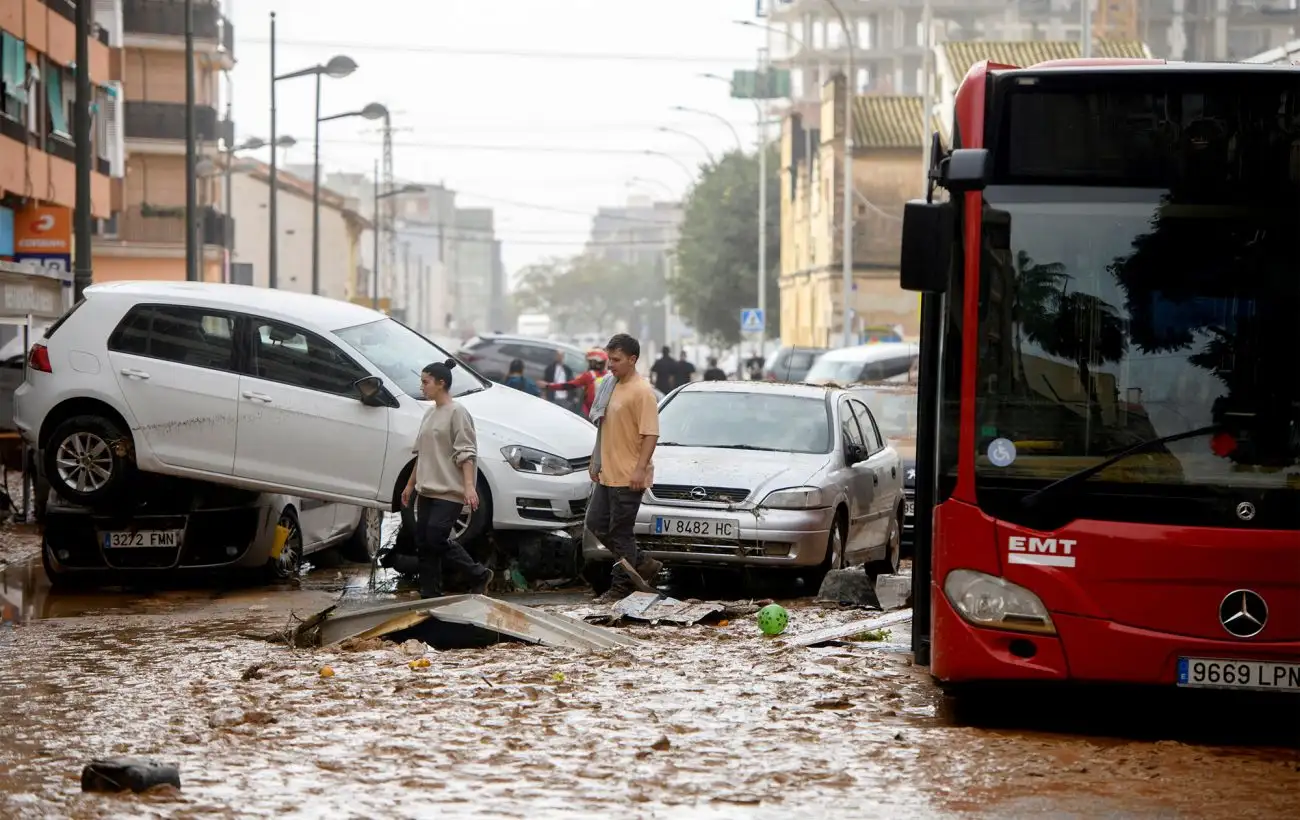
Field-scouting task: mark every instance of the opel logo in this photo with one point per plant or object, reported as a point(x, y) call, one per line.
point(1246, 511)
point(699, 494)
point(1243, 613)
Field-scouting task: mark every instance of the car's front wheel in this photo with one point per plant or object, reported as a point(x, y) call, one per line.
point(88, 460)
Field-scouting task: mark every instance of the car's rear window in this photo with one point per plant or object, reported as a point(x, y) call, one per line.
point(58, 323)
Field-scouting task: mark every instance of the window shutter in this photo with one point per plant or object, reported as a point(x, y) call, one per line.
point(114, 114)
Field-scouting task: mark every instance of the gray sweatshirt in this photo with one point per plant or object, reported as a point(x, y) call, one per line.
point(445, 441)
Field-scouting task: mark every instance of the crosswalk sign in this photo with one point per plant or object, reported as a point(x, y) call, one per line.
point(751, 320)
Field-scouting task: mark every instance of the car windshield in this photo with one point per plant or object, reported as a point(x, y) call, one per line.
point(751, 421)
point(835, 371)
point(894, 410)
point(400, 354)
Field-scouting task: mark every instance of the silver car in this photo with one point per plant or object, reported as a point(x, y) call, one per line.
point(770, 475)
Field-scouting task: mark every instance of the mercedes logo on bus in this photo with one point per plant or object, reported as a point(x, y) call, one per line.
point(1243, 613)
point(699, 493)
point(1246, 511)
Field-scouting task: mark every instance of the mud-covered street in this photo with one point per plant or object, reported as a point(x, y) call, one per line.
point(701, 721)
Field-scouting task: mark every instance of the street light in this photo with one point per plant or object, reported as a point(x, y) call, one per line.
point(703, 145)
point(337, 68)
point(690, 176)
point(374, 269)
point(685, 110)
point(660, 183)
point(850, 92)
point(373, 111)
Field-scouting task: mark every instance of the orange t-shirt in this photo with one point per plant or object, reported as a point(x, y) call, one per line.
point(633, 412)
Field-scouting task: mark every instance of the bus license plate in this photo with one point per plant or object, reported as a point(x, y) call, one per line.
point(1216, 673)
point(146, 539)
point(699, 527)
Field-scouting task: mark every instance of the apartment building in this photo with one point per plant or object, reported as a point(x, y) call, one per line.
point(37, 149)
point(478, 281)
point(341, 227)
point(145, 237)
point(639, 236)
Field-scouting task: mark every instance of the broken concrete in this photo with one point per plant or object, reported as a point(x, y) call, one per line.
point(849, 587)
point(894, 591)
point(465, 621)
point(834, 634)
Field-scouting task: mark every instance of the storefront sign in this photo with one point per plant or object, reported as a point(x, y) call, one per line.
point(43, 235)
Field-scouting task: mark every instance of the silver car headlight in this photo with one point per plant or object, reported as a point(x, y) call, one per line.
point(797, 498)
point(987, 600)
point(530, 460)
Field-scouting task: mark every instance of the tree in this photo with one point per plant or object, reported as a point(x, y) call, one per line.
point(583, 292)
point(717, 254)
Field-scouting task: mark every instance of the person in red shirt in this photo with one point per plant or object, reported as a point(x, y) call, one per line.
point(587, 380)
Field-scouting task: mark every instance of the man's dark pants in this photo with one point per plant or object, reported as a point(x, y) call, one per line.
point(611, 515)
point(434, 520)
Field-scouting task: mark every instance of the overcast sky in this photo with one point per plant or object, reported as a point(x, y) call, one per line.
point(571, 93)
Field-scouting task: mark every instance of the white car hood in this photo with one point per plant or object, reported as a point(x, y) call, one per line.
point(508, 416)
point(741, 469)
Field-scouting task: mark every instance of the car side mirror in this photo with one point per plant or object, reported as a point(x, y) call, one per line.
point(371, 391)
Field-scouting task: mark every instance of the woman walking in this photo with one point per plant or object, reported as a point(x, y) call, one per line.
point(443, 482)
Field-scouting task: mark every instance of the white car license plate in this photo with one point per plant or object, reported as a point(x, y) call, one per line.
point(1217, 673)
point(909, 509)
point(698, 527)
point(155, 539)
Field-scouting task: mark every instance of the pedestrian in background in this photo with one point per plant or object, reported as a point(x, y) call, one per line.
point(558, 371)
point(443, 482)
point(664, 369)
point(516, 379)
point(685, 370)
point(714, 373)
point(629, 431)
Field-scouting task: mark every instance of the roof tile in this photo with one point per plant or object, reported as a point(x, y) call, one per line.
point(881, 121)
point(962, 55)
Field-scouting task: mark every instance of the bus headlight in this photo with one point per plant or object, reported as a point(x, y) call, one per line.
point(987, 600)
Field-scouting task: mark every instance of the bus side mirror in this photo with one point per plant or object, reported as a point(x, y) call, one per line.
point(927, 246)
point(965, 170)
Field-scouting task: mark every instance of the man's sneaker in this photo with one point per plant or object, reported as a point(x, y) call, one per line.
point(649, 569)
point(613, 595)
point(484, 582)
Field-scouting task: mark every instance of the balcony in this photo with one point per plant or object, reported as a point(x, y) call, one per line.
point(165, 225)
point(165, 18)
point(166, 121)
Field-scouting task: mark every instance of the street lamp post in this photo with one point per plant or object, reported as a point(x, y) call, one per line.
point(374, 270)
point(663, 129)
point(373, 111)
point(850, 92)
point(338, 67)
point(740, 146)
point(689, 175)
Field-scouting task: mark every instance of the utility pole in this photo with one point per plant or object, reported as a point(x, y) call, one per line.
point(273, 240)
point(927, 91)
point(191, 180)
point(82, 263)
point(1085, 46)
point(374, 232)
point(762, 206)
point(846, 243)
point(406, 280)
point(315, 198)
point(390, 207)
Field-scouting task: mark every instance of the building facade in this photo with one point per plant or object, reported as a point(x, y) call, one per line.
point(145, 236)
point(640, 235)
point(340, 234)
point(37, 150)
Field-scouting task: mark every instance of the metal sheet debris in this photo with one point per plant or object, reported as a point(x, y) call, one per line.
point(835, 633)
point(659, 608)
point(458, 621)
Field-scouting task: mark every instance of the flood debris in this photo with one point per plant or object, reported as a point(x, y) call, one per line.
point(119, 774)
point(463, 622)
point(849, 587)
point(655, 607)
point(837, 634)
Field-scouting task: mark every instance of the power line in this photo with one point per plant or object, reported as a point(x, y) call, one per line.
point(453, 51)
point(530, 149)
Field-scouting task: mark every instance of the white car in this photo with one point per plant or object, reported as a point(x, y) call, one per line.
point(278, 392)
point(875, 362)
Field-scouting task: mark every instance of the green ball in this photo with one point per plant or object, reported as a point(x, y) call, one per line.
point(773, 619)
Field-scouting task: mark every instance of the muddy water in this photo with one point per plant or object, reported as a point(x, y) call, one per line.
point(699, 722)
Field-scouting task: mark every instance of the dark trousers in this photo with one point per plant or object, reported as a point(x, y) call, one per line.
point(611, 515)
point(434, 520)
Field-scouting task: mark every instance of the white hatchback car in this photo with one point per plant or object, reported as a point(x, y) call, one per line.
point(277, 392)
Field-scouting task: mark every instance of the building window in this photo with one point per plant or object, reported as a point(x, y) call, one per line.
point(13, 75)
point(57, 97)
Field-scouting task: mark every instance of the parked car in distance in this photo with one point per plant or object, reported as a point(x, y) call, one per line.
point(893, 406)
point(491, 354)
point(279, 392)
point(791, 364)
point(865, 363)
point(752, 474)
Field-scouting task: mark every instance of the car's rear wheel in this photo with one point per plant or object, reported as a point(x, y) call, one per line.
point(288, 564)
point(88, 460)
point(893, 548)
point(367, 538)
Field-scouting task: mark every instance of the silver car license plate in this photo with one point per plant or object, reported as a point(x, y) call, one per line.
point(1219, 673)
point(727, 528)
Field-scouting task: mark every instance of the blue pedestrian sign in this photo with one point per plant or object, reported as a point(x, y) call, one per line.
point(751, 320)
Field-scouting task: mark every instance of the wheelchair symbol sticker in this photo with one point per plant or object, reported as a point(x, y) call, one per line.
point(1002, 452)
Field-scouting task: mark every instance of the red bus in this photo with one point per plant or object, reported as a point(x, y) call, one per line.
point(1109, 443)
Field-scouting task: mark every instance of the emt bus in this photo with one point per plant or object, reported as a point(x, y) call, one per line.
point(1109, 436)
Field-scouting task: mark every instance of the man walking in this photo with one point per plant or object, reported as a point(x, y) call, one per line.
point(629, 430)
point(714, 373)
point(664, 369)
point(685, 370)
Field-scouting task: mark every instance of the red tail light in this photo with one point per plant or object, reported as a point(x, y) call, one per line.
point(467, 358)
point(39, 359)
